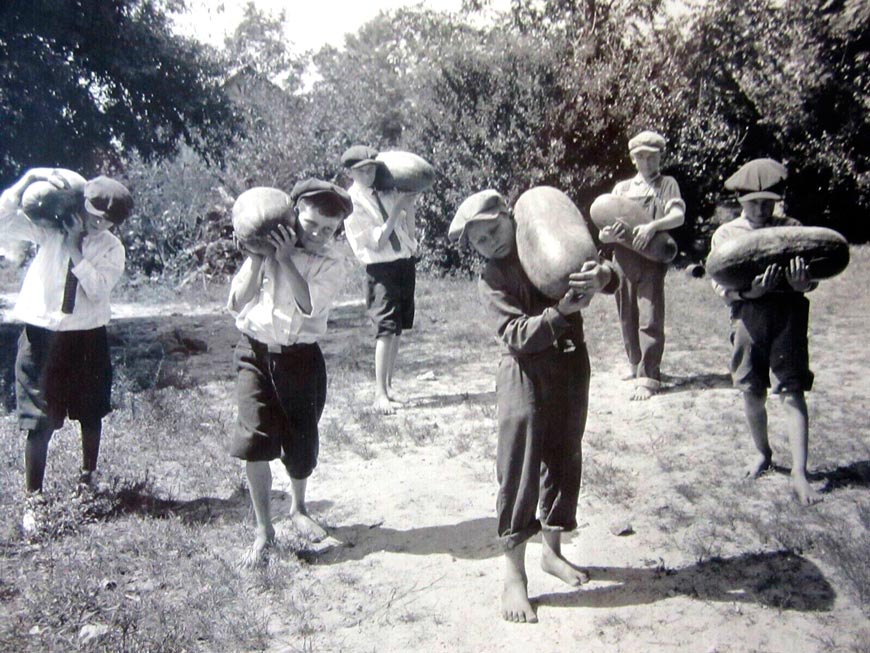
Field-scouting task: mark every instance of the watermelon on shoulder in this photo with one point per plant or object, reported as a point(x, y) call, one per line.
point(403, 171)
point(552, 239)
point(259, 210)
point(47, 205)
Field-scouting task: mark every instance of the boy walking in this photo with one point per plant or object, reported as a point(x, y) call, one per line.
point(769, 323)
point(381, 232)
point(63, 368)
point(281, 298)
point(542, 387)
point(640, 299)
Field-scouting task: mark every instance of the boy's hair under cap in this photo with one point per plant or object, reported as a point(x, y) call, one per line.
point(484, 205)
point(108, 199)
point(760, 179)
point(646, 141)
point(358, 155)
point(309, 188)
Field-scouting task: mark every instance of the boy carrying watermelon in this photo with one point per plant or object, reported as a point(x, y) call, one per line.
point(382, 234)
point(769, 322)
point(640, 299)
point(542, 389)
point(280, 299)
point(63, 368)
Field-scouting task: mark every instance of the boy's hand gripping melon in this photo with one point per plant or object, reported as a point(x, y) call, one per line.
point(403, 171)
point(552, 239)
point(46, 204)
point(258, 211)
point(609, 209)
point(735, 263)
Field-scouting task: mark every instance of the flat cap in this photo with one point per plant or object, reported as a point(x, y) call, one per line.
point(484, 205)
point(312, 186)
point(758, 180)
point(646, 141)
point(358, 155)
point(108, 199)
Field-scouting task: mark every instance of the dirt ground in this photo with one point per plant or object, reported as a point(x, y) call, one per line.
point(672, 567)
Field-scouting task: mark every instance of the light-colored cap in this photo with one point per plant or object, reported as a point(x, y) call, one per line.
point(484, 205)
point(646, 141)
point(760, 179)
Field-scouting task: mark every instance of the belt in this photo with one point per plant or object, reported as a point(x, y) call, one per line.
point(262, 347)
point(565, 345)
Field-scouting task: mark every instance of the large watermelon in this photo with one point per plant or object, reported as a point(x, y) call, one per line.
point(609, 209)
point(552, 239)
point(259, 210)
point(47, 205)
point(736, 262)
point(403, 171)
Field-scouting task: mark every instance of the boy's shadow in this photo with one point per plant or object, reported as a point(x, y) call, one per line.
point(470, 540)
point(779, 579)
point(474, 398)
point(708, 381)
point(856, 474)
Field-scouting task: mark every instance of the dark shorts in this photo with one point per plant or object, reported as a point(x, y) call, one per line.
point(769, 336)
point(280, 399)
point(61, 374)
point(390, 295)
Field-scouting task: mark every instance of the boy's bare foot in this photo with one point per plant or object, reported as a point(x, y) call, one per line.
point(396, 397)
point(384, 406)
point(556, 565)
point(307, 527)
point(641, 393)
point(758, 467)
point(804, 492)
point(257, 553)
point(629, 374)
point(515, 604)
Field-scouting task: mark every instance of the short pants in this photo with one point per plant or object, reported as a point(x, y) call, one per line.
point(61, 374)
point(280, 397)
point(769, 336)
point(390, 296)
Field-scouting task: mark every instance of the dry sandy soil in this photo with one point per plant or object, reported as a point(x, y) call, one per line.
point(683, 554)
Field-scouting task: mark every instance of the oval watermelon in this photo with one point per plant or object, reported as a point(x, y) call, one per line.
point(735, 263)
point(46, 204)
point(608, 209)
point(403, 171)
point(259, 210)
point(552, 239)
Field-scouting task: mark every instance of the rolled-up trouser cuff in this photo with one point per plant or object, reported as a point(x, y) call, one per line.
point(513, 540)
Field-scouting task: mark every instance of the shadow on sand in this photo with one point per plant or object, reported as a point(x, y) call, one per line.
point(709, 381)
point(854, 475)
point(482, 398)
point(779, 579)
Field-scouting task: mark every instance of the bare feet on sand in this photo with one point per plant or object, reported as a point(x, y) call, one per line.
point(258, 552)
point(558, 566)
point(384, 406)
point(307, 527)
point(641, 393)
point(396, 397)
point(515, 604)
point(758, 466)
point(804, 492)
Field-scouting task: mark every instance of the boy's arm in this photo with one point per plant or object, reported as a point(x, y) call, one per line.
point(728, 296)
point(99, 269)
point(246, 284)
point(674, 214)
point(284, 240)
point(14, 223)
point(326, 283)
point(525, 334)
point(397, 204)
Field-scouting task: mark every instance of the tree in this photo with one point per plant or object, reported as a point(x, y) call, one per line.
point(82, 81)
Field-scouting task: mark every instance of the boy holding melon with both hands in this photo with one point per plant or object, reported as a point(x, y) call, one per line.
point(543, 390)
point(280, 299)
point(640, 299)
point(769, 325)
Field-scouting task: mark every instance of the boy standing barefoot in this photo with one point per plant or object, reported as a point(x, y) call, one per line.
point(281, 298)
point(640, 299)
point(63, 368)
point(543, 390)
point(769, 326)
point(382, 234)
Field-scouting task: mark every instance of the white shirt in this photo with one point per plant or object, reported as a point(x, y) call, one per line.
point(273, 317)
point(365, 225)
point(39, 301)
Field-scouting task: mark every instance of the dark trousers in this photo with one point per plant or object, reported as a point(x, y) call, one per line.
point(542, 406)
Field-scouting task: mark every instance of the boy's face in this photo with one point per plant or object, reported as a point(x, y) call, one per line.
point(364, 175)
point(93, 223)
point(758, 211)
point(315, 229)
point(494, 238)
point(648, 164)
